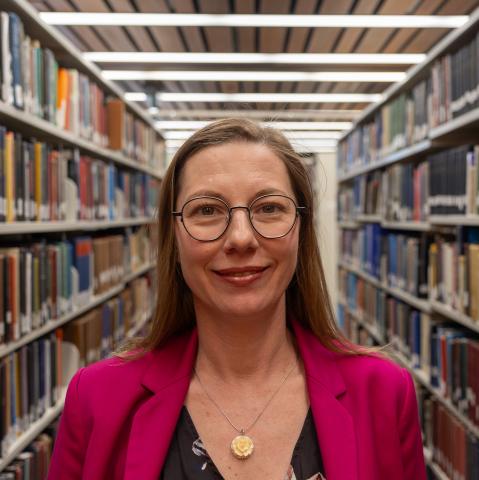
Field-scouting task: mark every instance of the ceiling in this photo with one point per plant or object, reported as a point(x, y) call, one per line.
point(261, 39)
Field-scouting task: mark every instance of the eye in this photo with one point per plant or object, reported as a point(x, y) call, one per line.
point(207, 210)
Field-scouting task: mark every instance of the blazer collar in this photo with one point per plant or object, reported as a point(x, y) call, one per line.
point(168, 375)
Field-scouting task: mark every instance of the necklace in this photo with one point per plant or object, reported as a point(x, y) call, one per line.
point(242, 445)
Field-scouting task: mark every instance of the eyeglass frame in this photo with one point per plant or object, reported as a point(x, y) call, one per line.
point(230, 216)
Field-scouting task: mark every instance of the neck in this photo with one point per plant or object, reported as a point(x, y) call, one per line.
point(247, 349)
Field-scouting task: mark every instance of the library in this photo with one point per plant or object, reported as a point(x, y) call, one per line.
point(239, 239)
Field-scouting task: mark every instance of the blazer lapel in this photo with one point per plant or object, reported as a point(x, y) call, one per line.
point(334, 424)
point(168, 378)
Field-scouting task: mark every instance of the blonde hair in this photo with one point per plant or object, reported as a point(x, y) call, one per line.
point(307, 299)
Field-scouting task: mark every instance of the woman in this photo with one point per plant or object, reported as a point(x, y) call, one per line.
point(244, 373)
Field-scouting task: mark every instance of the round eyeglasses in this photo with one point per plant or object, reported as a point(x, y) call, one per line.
point(207, 218)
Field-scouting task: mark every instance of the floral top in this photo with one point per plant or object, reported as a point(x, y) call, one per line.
point(188, 459)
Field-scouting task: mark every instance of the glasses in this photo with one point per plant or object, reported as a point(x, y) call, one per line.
point(207, 218)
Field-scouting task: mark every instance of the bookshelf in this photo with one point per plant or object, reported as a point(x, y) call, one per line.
point(374, 151)
point(134, 151)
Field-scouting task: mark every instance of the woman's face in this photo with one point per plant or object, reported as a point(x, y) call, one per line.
point(241, 273)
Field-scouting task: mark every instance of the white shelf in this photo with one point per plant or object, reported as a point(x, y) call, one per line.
point(38, 127)
point(80, 225)
point(32, 432)
point(349, 224)
point(454, 37)
point(403, 154)
point(464, 121)
point(419, 303)
point(455, 315)
point(52, 38)
point(412, 225)
point(371, 329)
point(423, 379)
point(440, 474)
point(368, 218)
point(53, 324)
point(454, 220)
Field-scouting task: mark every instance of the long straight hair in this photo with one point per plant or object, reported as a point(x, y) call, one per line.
point(307, 298)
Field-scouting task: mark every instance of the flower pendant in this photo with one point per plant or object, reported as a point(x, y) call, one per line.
point(242, 447)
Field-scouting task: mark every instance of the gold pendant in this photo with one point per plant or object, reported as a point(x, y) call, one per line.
point(242, 447)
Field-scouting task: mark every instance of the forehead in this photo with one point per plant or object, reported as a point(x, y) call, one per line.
point(234, 170)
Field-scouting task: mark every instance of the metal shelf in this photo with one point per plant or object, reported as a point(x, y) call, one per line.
point(420, 304)
point(35, 126)
point(455, 315)
point(50, 37)
point(453, 38)
point(403, 154)
point(32, 432)
point(53, 324)
point(80, 225)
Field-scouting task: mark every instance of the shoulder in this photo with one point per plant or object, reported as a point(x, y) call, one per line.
point(375, 374)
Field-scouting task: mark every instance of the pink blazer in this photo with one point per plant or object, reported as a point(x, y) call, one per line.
point(119, 417)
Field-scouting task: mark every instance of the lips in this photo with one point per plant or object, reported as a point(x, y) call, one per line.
point(240, 271)
point(241, 276)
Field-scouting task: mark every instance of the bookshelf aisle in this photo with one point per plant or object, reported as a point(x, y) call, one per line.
point(408, 215)
point(80, 168)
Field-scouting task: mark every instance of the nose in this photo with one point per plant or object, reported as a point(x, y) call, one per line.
point(240, 233)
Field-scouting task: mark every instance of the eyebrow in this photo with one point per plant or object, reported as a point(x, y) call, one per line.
point(212, 193)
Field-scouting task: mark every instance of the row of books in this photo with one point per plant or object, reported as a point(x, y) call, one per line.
point(43, 280)
point(400, 193)
point(446, 183)
point(396, 259)
point(454, 271)
point(33, 377)
point(33, 80)
point(33, 463)
point(454, 449)
point(39, 182)
point(446, 353)
point(449, 89)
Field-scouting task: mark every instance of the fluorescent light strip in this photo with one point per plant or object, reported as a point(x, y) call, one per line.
point(258, 114)
point(242, 20)
point(258, 58)
point(270, 97)
point(192, 125)
point(136, 96)
point(297, 135)
point(294, 142)
point(235, 76)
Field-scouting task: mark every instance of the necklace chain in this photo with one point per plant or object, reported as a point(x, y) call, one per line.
point(242, 431)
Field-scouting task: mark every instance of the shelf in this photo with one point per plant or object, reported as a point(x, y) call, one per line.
point(349, 224)
point(372, 330)
point(413, 226)
point(437, 470)
point(463, 125)
point(69, 55)
point(403, 154)
point(367, 218)
point(454, 220)
point(406, 297)
point(80, 225)
point(32, 432)
point(453, 38)
point(455, 315)
point(34, 126)
point(422, 378)
point(53, 324)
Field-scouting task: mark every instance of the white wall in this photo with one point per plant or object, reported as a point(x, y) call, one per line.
point(326, 219)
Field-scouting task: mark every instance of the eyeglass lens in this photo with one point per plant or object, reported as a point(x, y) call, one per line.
point(206, 218)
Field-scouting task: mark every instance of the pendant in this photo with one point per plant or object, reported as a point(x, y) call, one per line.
point(242, 446)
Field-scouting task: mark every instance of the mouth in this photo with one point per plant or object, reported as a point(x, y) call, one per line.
point(241, 277)
point(240, 272)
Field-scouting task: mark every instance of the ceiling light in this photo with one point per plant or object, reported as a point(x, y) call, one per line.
point(192, 125)
point(259, 114)
point(235, 76)
point(270, 97)
point(297, 135)
point(235, 20)
point(258, 58)
point(136, 96)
